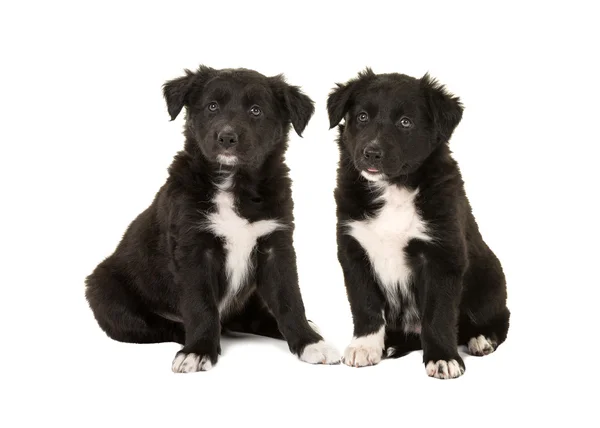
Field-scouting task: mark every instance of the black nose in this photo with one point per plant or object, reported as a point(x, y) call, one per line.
point(228, 139)
point(373, 153)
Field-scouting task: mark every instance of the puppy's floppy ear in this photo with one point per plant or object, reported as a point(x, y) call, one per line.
point(177, 92)
point(299, 107)
point(338, 103)
point(340, 98)
point(445, 109)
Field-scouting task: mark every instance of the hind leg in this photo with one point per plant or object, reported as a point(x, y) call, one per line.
point(484, 317)
point(122, 315)
point(482, 337)
point(254, 318)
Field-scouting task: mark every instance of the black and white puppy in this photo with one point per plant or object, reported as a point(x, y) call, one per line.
point(417, 271)
point(214, 249)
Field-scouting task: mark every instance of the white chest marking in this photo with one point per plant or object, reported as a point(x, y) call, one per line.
point(240, 238)
point(384, 238)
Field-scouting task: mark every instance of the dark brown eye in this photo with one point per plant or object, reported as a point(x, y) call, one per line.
point(213, 106)
point(405, 122)
point(362, 116)
point(255, 111)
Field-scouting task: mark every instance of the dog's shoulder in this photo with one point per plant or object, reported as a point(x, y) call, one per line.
point(355, 198)
point(189, 172)
point(265, 194)
point(441, 199)
point(186, 193)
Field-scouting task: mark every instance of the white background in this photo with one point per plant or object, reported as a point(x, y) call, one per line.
point(86, 142)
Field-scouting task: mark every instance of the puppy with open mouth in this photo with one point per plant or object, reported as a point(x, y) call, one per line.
point(418, 273)
point(214, 250)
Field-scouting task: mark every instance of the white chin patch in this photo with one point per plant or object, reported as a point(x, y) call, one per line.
point(190, 363)
point(372, 176)
point(320, 353)
point(229, 160)
point(444, 369)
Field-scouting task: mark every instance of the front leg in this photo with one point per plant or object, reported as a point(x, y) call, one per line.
point(277, 284)
point(197, 277)
point(442, 284)
point(366, 303)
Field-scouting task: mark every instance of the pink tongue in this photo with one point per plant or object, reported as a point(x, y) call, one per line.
point(372, 170)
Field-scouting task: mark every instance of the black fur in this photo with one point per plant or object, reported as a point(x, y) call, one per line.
point(457, 281)
point(168, 266)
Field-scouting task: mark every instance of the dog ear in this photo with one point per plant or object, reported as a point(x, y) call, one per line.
point(445, 109)
point(338, 103)
point(177, 92)
point(299, 106)
point(340, 98)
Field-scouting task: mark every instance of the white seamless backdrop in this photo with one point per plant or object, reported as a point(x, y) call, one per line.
point(86, 142)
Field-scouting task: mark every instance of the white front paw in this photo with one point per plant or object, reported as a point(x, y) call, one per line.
point(361, 355)
point(365, 350)
point(320, 353)
point(189, 363)
point(444, 369)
